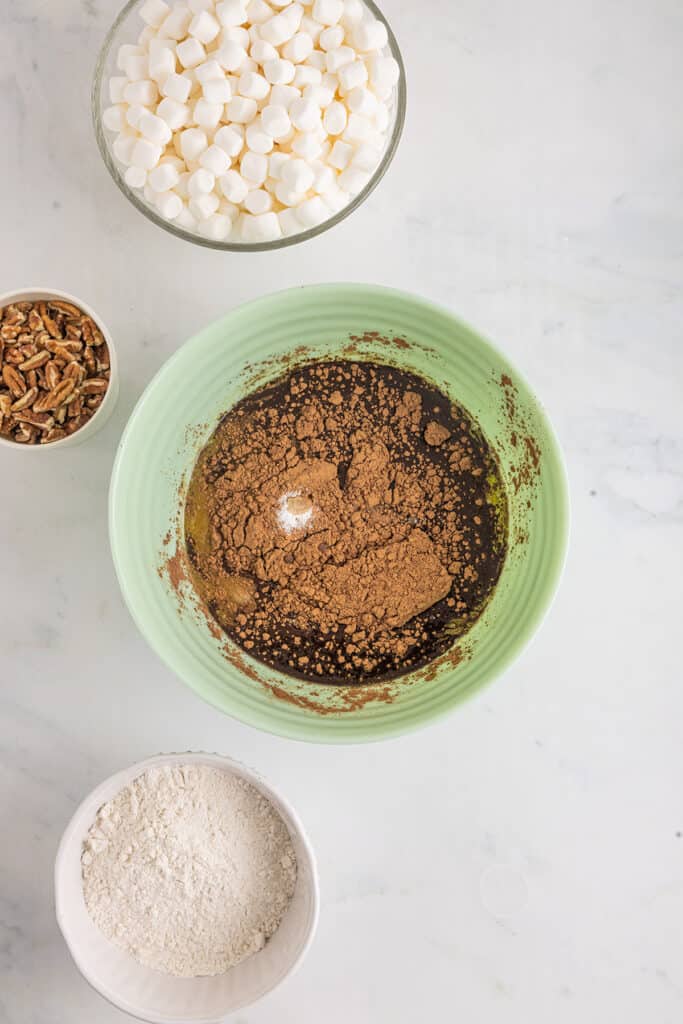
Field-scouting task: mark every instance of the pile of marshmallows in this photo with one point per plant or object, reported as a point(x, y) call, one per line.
point(249, 120)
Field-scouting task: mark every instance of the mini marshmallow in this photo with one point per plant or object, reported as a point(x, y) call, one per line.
point(321, 95)
point(228, 209)
point(312, 212)
point(258, 140)
point(370, 34)
point(215, 160)
point(169, 205)
point(163, 177)
point(258, 201)
point(263, 228)
point(193, 142)
point(253, 86)
point(216, 227)
point(253, 167)
point(334, 119)
point(261, 51)
point(185, 219)
point(217, 91)
point(354, 11)
point(297, 175)
point(366, 157)
point(304, 115)
point(357, 128)
point(335, 59)
point(275, 121)
point(294, 13)
point(233, 186)
point(135, 177)
point(289, 222)
point(113, 117)
point(126, 51)
point(230, 139)
point(259, 11)
point(241, 109)
point(133, 114)
point(283, 96)
point(278, 29)
point(200, 181)
point(351, 75)
point(311, 27)
point(162, 65)
point(137, 68)
point(231, 55)
point(306, 145)
point(318, 60)
point(116, 86)
point(331, 38)
point(288, 196)
point(143, 92)
point(353, 180)
point(209, 71)
point(381, 118)
point(231, 13)
point(175, 26)
point(145, 154)
point(340, 155)
point(204, 27)
point(239, 35)
point(362, 101)
point(278, 71)
point(324, 180)
point(298, 47)
point(190, 52)
point(176, 87)
point(275, 164)
point(204, 205)
point(384, 72)
point(149, 194)
point(207, 115)
point(328, 12)
point(196, 6)
point(305, 75)
point(155, 129)
point(123, 146)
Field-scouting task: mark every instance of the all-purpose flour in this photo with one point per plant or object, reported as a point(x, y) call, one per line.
point(189, 869)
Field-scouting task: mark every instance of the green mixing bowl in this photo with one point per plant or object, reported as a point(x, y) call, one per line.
point(256, 343)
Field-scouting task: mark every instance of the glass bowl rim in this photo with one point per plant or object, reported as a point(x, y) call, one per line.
point(279, 243)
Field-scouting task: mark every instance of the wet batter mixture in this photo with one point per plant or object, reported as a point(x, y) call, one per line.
point(347, 523)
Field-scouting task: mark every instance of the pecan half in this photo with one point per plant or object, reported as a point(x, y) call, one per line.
point(14, 380)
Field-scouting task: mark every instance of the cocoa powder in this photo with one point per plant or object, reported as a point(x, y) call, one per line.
point(340, 524)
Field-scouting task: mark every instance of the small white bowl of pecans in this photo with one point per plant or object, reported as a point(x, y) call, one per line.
point(58, 373)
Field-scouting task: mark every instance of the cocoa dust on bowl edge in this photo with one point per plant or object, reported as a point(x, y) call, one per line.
point(347, 523)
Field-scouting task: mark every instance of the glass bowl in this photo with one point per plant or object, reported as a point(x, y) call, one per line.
point(126, 29)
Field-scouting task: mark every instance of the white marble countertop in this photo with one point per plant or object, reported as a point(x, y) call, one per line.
point(523, 859)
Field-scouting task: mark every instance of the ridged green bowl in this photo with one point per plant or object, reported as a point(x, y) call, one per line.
point(178, 412)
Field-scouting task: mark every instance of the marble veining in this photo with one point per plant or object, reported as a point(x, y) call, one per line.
point(522, 860)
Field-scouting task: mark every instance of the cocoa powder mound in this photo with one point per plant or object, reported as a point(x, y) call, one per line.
point(339, 523)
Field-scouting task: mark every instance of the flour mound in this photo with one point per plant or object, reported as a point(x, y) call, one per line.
point(189, 869)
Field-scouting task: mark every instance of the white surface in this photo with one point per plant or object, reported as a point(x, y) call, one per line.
point(522, 860)
point(152, 995)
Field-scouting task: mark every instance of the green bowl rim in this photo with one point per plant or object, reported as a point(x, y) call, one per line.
point(311, 728)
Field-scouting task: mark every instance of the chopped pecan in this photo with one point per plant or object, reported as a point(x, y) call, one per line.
point(56, 434)
point(33, 362)
point(52, 374)
point(94, 386)
point(14, 380)
point(64, 307)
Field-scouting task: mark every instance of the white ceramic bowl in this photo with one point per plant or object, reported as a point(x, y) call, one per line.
point(161, 998)
point(106, 408)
